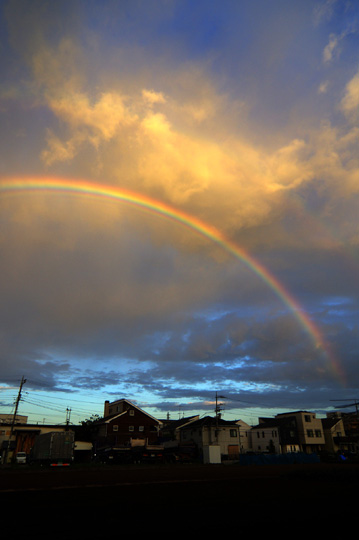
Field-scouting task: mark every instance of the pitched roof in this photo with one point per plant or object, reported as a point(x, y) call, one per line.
point(111, 417)
point(209, 421)
point(330, 422)
point(174, 424)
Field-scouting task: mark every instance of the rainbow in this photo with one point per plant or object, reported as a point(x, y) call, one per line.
point(80, 187)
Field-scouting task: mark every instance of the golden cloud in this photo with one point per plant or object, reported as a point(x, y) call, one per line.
point(169, 143)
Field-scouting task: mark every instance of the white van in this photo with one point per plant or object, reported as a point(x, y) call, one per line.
point(21, 457)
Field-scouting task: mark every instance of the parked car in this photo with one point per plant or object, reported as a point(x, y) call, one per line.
point(21, 457)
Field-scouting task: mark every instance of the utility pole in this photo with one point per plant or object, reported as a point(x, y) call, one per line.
point(68, 414)
point(218, 414)
point(23, 381)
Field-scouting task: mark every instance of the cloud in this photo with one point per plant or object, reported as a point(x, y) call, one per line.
point(330, 48)
point(91, 124)
point(350, 101)
point(227, 128)
point(168, 159)
point(323, 87)
point(153, 97)
point(324, 11)
point(333, 48)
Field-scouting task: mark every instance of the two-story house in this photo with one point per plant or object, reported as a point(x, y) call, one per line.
point(299, 431)
point(244, 436)
point(210, 432)
point(265, 437)
point(124, 426)
point(334, 433)
point(309, 430)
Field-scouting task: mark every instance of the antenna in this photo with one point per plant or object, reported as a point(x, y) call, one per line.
point(218, 408)
point(68, 414)
point(355, 404)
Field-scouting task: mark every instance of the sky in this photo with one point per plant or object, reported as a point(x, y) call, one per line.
point(179, 195)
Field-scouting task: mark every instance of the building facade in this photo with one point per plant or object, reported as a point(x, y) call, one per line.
point(213, 431)
point(265, 437)
point(126, 425)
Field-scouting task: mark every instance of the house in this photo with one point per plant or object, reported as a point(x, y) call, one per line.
point(21, 437)
point(347, 435)
point(244, 436)
point(210, 432)
point(309, 428)
point(124, 426)
point(170, 429)
point(299, 431)
point(9, 418)
point(351, 425)
point(265, 437)
point(334, 434)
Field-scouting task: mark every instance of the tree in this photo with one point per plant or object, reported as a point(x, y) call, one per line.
point(88, 428)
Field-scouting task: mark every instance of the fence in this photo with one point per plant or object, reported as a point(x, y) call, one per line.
point(278, 459)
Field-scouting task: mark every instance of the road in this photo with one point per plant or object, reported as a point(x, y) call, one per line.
point(141, 493)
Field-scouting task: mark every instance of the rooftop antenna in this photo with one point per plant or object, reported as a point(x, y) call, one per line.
point(218, 408)
point(68, 414)
point(179, 412)
point(355, 404)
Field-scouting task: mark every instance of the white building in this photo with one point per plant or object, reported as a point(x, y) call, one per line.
point(299, 431)
point(244, 436)
point(213, 431)
point(265, 438)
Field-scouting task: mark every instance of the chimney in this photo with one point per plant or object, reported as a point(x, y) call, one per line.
point(106, 410)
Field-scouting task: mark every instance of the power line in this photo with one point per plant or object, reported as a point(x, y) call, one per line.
point(49, 402)
point(71, 399)
point(50, 407)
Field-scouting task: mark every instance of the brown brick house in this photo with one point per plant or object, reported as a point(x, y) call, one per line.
point(125, 425)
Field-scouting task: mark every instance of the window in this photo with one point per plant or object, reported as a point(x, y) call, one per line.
point(141, 428)
point(310, 433)
point(115, 428)
point(131, 428)
point(233, 432)
point(307, 417)
point(132, 412)
point(318, 433)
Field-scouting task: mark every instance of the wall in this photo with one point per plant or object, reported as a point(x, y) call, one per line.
point(210, 435)
point(266, 440)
